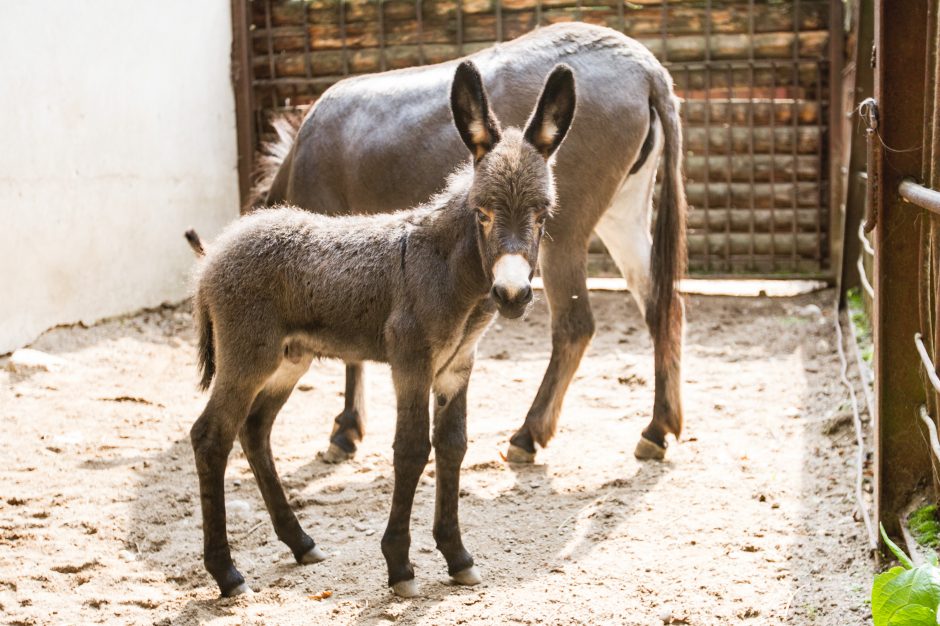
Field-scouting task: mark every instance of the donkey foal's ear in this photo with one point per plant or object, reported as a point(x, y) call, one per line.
point(478, 128)
point(553, 114)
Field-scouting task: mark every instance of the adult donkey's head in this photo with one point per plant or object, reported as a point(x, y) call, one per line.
point(513, 191)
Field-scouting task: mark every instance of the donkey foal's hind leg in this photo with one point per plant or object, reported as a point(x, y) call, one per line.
point(255, 437)
point(349, 426)
point(212, 437)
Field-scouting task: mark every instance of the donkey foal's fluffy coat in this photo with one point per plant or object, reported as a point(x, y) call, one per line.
point(416, 289)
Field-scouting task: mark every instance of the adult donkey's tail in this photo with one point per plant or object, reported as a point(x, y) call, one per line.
point(273, 154)
point(664, 312)
point(668, 262)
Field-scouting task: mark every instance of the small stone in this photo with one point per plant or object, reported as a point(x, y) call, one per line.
point(305, 387)
point(27, 360)
point(238, 508)
point(127, 555)
point(665, 615)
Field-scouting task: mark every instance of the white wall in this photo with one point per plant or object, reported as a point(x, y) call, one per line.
point(117, 132)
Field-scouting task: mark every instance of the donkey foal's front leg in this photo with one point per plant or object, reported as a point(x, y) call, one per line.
point(412, 448)
point(450, 445)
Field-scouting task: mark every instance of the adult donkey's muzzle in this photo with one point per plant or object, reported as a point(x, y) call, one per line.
point(512, 287)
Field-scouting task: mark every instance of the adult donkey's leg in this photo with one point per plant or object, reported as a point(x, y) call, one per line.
point(625, 228)
point(564, 271)
point(255, 437)
point(349, 427)
point(450, 445)
point(412, 448)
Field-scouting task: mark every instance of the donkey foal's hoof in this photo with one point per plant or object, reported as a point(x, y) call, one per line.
point(335, 454)
point(242, 589)
point(469, 576)
point(405, 588)
point(519, 455)
point(646, 450)
point(313, 555)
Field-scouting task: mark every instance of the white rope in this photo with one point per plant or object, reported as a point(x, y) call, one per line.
point(862, 276)
point(866, 246)
point(934, 443)
point(864, 370)
point(859, 439)
point(928, 363)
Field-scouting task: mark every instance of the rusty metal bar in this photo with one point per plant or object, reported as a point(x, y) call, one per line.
point(244, 96)
point(773, 153)
point(708, 124)
point(383, 55)
point(342, 36)
point(499, 20)
point(750, 124)
point(900, 464)
point(919, 195)
point(419, 27)
point(460, 27)
point(728, 174)
point(795, 124)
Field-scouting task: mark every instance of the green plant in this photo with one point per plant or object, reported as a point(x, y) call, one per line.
point(906, 595)
point(925, 527)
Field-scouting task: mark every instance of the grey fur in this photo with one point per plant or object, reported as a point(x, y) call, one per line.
point(282, 286)
point(383, 142)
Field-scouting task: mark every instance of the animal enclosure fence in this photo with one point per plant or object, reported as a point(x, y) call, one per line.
point(754, 76)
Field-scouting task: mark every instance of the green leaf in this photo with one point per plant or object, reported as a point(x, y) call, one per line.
point(913, 615)
point(904, 596)
point(898, 552)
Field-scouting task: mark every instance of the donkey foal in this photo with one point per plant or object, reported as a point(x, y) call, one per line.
point(416, 289)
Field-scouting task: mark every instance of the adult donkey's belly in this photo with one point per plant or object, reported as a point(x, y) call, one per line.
point(386, 142)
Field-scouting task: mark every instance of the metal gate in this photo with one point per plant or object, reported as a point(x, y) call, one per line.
point(754, 75)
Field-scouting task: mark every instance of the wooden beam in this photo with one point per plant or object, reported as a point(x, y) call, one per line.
point(244, 105)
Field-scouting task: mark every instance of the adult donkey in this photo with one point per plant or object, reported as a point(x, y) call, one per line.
point(385, 141)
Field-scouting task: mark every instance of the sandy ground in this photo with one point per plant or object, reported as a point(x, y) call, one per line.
point(749, 521)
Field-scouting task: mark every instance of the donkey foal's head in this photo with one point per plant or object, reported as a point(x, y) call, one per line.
point(513, 191)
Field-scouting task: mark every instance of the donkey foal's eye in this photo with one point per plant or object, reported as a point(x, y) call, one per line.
point(483, 216)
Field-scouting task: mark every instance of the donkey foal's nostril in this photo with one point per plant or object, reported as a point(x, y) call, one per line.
point(525, 294)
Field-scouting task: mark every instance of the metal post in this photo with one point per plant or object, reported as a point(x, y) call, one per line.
point(244, 102)
point(901, 459)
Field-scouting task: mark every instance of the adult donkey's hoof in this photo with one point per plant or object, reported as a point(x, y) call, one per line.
point(335, 454)
point(519, 455)
point(311, 556)
point(405, 588)
point(646, 450)
point(241, 590)
point(469, 576)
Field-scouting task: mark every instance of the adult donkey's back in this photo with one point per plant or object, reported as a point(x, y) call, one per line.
point(385, 141)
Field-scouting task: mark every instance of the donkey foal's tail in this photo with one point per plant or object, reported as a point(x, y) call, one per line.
point(195, 242)
point(206, 345)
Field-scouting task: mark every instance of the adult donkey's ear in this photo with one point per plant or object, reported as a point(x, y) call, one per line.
point(552, 116)
point(478, 128)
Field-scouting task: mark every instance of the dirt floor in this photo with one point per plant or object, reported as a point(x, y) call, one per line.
point(750, 520)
